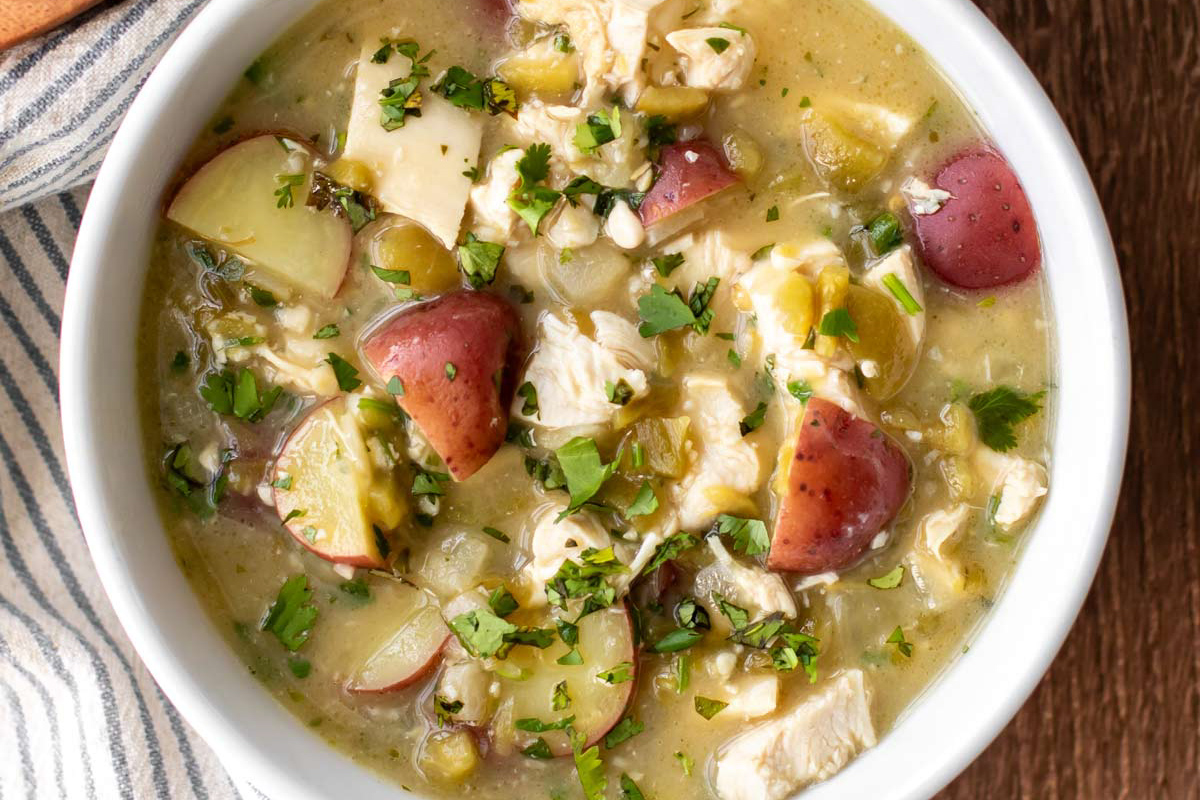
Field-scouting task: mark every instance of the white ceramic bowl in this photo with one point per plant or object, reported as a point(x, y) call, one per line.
point(261, 742)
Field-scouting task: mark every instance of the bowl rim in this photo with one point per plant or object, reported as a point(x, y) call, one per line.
point(952, 717)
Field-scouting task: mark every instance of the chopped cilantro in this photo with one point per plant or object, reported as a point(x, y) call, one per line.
point(445, 710)
point(356, 588)
point(180, 362)
point(291, 616)
point(889, 581)
point(262, 297)
point(621, 673)
point(345, 372)
point(629, 789)
point(683, 672)
point(690, 614)
point(283, 194)
point(685, 762)
point(572, 658)
point(718, 44)
point(395, 386)
point(645, 503)
point(463, 89)
point(584, 471)
point(501, 601)
point(561, 698)
point(451, 371)
point(662, 311)
point(762, 252)
point(401, 276)
point(535, 725)
point(997, 411)
point(700, 304)
point(903, 645)
point(709, 708)
point(801, 390)
point(670, 549)
point(676, 640)
point(529, 392)
point(734, 358)
point(429, 483)
point(586, 581)
point(330, 331)
point(496, 534)
point(538, 749)
point(668, 263)
point(599, 129)
point(530, 200)
point(283, 484)
point(619, 393)
point(749, 535)
point(754, 420)
point(588, 766)
point(483, 634)
point(838, 322)
point(398, 101)
point(773, 214)
point(238, 395)
point(623, 731)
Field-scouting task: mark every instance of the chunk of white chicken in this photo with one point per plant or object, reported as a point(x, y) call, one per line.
point(571, 373)
point(1020, 484)
point(493, 219)
point(751, 696)
point(899, 265)
point(937, 574)
point(810, 743)
point(750, 587)
point(613, 164)
point(922, 198)
point(727, 469)
point(554, 541)
point(298, 366)
point(416, 170)
point(709, 255)
point(717, 59)
point(621, 337)
point(610, 36)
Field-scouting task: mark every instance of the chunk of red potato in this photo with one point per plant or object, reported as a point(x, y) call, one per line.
point(985, 235)
point(456, 358)
point(688, 173)
point(326, 490)
point(605, 641)
point(845, 481)
point(398, 637)
point(234, 201)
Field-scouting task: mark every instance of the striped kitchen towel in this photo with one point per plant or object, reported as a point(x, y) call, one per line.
point(80, 717)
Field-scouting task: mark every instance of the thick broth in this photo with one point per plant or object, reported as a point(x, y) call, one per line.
point(808, 51)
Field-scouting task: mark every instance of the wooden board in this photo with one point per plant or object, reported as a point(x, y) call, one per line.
point(1118, 715)
point(21, 19)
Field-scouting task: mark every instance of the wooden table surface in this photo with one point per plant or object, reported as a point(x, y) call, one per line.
point(1118, 715)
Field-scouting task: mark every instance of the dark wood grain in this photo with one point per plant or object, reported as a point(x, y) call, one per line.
point(1118, 715)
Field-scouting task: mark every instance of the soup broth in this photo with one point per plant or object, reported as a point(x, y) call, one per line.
point(783, 498)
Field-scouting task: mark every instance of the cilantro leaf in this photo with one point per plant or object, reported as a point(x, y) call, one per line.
point(690, 614)
point(709, 708)
point(754, 420)
point(561, 698)
point(629, 789)
point(330, 331)
point(738, 617)
point(619, 393)
point(997, 411)
point(584, 471)
point(645, 503)
point(801, 390)
point(531, 201)
point(535, 725)
point(496, 534)
point(588, 767)
point(291, 616)
point(662, 311)
point(529, 392)
point(676, 640)
point(718, 44)
point(903, 645)
point(481, 632)
point(749, 535)
point(398, 101)
point(889, 581)
point(501, 601)
point(700, 303)
point(623, 731)
point(667, 264)
point(539, 749)
point(579, 186)
point(621, 673)
point(838, 322)
point(901, 293)
point(345, 372)
point(670, 549)
point(445, 710)
point(599, 129)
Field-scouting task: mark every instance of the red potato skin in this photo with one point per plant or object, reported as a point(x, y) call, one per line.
point(688, 173)
point(984, 236)
point(425, 669)
point(847, 480)
point(465, 419)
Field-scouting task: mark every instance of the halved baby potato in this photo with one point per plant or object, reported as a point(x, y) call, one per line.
point(605, 642)
point(398, 636)
point(250, 199)
point(327, 492)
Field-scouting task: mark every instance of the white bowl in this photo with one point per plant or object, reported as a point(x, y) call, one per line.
point(261, 742)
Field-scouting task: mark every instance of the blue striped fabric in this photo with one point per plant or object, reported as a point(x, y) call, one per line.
point(80, 717)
